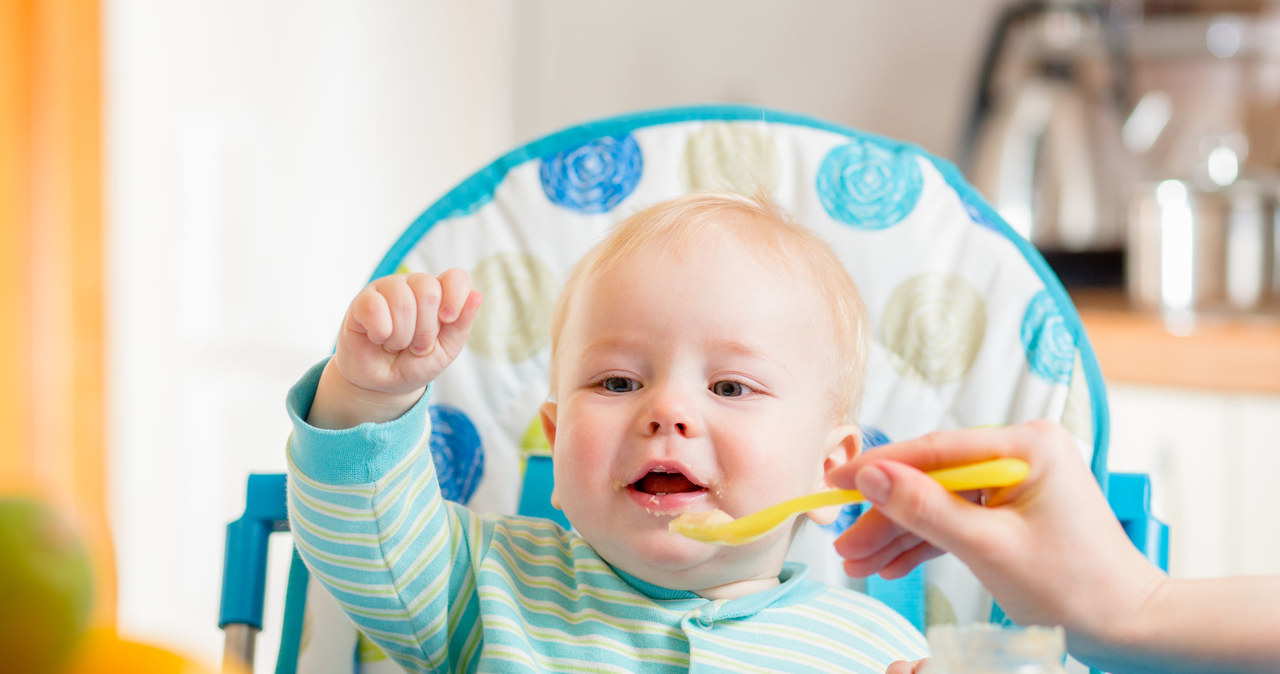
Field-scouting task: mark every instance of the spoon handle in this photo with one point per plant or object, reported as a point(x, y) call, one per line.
point(981, 475)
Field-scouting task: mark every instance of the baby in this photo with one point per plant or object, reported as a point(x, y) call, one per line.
point(708, 354)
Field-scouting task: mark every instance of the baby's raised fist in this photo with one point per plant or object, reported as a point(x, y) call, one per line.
point(402, 331)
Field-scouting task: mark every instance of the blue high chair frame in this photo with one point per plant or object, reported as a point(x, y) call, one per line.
point(244, 576)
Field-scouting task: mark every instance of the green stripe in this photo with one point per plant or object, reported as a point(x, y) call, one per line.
point(786, 654)
point(733, 664)
point(300, 521)
point(581, 617)
point(574, 641)
point(872, 612)
point(340, 561)
point(821, 641)
point(469, 649)
point(339, 512)
point(504, 652)
point(574, 593)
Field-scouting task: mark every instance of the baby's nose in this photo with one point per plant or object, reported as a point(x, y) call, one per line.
point(680, 427)
point(669, 412)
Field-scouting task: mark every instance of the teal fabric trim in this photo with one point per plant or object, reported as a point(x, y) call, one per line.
point(295, 603)
point(357, 455)
point(654, 591)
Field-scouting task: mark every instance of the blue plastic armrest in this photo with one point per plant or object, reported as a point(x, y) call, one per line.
point(244, 569)
point(535, 496)
point(1130, 498)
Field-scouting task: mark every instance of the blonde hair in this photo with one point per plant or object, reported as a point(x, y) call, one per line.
point(768, 233)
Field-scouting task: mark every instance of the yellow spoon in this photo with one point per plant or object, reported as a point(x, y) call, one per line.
point(715, 526)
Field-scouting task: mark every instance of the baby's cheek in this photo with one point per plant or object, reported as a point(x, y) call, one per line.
point(579, 460)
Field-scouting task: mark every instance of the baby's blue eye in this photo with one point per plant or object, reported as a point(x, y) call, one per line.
point(619, 385)
point(728, 389)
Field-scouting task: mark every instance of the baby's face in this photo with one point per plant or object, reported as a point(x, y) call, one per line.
point(690, 382)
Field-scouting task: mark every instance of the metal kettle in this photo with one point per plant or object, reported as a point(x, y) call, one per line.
point(1046, 148)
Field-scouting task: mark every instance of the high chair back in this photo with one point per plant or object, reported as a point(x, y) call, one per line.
point(970, 327)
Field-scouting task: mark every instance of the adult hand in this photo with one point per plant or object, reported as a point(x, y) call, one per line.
point(1048, 549)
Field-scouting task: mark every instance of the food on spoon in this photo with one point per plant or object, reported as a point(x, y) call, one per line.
point(704, 526)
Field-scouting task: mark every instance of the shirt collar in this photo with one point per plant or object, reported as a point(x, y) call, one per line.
point(793, 588)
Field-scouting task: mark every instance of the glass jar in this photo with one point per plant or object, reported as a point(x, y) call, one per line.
point(991, 649)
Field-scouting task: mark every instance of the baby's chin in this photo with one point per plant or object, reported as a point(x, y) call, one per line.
point(677, 563)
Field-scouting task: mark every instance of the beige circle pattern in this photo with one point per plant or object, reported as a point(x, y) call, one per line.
point(933, 326)
point(367, 651)
point(937, 607)
point(732, 157)
point(514, 322)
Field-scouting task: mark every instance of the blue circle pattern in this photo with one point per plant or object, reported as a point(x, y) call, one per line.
point(871, 437)
point(1048, 343)
point(595, 176)
point(456, 450)
point(868, 185)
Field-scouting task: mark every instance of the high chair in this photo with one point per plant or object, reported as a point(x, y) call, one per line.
point(970, 327)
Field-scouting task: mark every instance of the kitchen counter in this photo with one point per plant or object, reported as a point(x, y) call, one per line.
point(1215, 352)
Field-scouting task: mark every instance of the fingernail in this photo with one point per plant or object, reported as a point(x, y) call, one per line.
point(874, 484)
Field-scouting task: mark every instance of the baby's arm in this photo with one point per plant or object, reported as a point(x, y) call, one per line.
point(399, 334)
point(364, 503)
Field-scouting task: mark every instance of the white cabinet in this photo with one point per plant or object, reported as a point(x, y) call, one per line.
point(1214, 460)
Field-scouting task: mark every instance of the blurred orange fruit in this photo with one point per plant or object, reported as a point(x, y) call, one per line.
point(104, 652)
point(46, 587)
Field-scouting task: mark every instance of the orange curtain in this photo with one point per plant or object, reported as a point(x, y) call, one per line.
point(52, 390)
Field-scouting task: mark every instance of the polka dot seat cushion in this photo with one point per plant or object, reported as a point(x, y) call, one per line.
point(969, 325)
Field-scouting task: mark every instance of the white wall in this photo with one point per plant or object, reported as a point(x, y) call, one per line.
point(1212, 471)
point(903, 68)
point(261, 158)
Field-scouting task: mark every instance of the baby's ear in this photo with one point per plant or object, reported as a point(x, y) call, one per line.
point(844, 442)
point(547, 413)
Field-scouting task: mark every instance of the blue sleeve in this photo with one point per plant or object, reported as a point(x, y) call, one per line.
point(369, 521)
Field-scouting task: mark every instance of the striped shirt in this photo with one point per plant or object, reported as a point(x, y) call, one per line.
point(440, 588)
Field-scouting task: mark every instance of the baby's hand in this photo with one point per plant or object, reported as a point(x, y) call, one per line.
point(399, 334)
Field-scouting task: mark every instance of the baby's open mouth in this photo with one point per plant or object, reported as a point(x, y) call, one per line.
point(660, 483)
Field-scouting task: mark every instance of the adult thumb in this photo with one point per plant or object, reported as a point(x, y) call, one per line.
point(917, 503)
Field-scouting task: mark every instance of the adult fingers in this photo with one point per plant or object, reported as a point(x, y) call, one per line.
point(920, 505)
point(913, 557)
point(942, 449)
point(867, 536)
